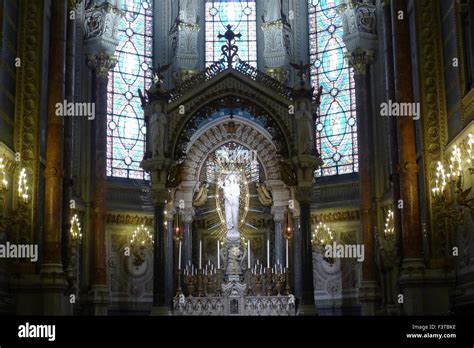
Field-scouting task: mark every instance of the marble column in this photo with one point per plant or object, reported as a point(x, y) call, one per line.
point(163, 264)
point(412, 236)
point(392, 122)
point(159, 248)
point(296, 260)
point(360, 59)
point(100, 63)
point(169, 260)
point(307, 304)
point(412, 272)
point(360, 38)
point(68, 148)
point(279, 218)
point(188, 236)
point(99, 48)
point(53, 283)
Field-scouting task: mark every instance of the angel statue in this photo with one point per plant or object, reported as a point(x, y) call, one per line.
point(264, 196)
point(200, 198)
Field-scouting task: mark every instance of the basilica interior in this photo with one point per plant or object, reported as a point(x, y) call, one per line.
point(231, 157)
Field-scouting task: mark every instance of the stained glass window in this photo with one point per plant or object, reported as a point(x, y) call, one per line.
point(336, 127)
point(126, 126)
point(242, 16)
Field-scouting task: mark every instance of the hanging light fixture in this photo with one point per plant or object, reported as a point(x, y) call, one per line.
point(141, 238)
point(3, 176)
point(322, 236)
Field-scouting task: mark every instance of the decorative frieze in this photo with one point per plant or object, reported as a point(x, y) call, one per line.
point(126, 219)
point(337, 216)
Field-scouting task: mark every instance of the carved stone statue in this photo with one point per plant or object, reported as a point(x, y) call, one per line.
point(264, 196)
point(234, 259)
point(157, 130)
point(288, 175)
point(188, 10)
point(271, 10)
point(303, 121)
point(231, 188)
point(201, 195)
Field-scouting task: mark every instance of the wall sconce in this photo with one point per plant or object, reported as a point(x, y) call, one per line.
point(387, 241)
point(3, 176)
point(448, 189)
point(23, 186)
point(389, 229)
point(76, 234)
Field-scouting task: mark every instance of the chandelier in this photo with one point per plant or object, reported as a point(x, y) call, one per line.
point(141, 238)
point(449, 191)
point(322, 236)
point(3, 177)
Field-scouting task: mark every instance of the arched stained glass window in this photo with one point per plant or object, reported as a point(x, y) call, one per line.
point(336, 128)
point(126, 125)
point(242, 16)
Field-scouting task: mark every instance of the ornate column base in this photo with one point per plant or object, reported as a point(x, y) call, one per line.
point(53, 286)
point(369, 297)
point(99, 299)
point(425, 291)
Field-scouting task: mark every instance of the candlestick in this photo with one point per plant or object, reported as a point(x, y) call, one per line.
point(200, 254)
point(287, 253)
point(218, 255)
point(179, 256)
point(268, 253)
point(248, 260)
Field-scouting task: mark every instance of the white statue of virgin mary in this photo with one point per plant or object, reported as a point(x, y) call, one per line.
point(231, 188)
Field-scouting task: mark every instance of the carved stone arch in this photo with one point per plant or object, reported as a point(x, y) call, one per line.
point(230, 89)
point(216, 135)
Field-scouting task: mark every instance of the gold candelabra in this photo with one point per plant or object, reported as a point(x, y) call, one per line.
point(15, 220)
point(449, 188)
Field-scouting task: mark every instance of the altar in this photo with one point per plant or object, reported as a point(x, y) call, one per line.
point(231, 191)
point(233, 283)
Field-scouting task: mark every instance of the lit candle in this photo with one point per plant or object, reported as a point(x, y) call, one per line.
point(248, 263)
point(268, 253)
point(200, 254)
point(287, 263)
point(179, 256)
point(218, 255)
